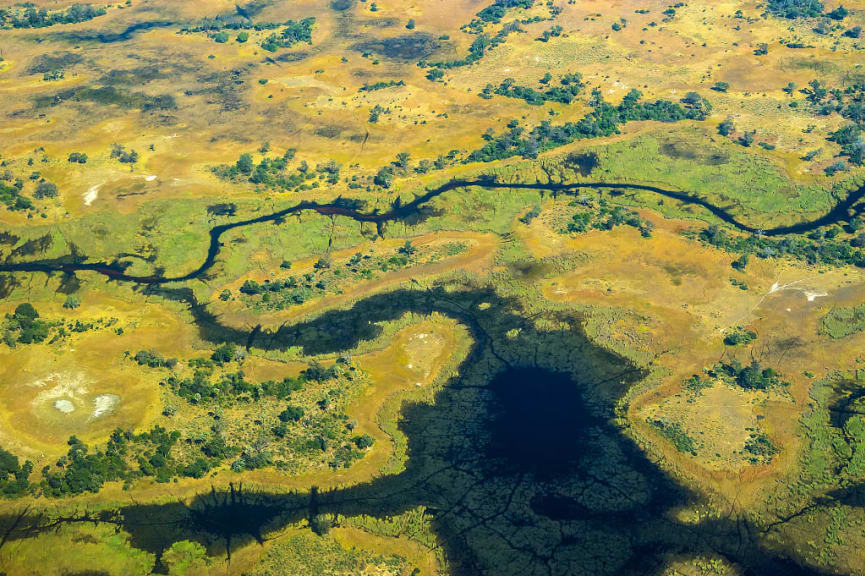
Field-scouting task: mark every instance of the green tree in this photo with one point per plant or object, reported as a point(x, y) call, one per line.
point(408, 249)
point(245, 163)
point(402, 160)
point(224, 353)
point(291, 414)
point(45, 189)
point(184, 557)
point(365, 441)
point(25, 311)
point(321, 524)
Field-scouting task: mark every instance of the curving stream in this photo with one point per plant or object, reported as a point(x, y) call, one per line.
point(517, 461)
point(117, 270)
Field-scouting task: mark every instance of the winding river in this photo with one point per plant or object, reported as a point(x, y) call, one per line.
point(117, 270)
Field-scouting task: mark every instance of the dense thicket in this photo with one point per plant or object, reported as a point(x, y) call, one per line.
point(604, 120)
point(32, 17)
point(570, 86)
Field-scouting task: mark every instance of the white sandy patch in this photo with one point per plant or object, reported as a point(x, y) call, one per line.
point(61, 385)
point(65, 392)
point(149, 178)
point(306, 82)
point(70, 392)
point(809, 294)
point(65, 406)
point(104, 404)
point(91, 195)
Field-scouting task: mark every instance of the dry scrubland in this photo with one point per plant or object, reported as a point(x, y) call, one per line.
point(737, 351)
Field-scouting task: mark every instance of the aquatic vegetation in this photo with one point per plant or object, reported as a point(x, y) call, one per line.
point(506, 288)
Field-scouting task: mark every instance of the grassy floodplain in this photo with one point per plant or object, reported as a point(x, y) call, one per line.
point(432, 287)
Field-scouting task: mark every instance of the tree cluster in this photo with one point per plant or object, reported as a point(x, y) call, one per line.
point(32, 17)
point(570, 86)
point(292, 33)
point(604, 120)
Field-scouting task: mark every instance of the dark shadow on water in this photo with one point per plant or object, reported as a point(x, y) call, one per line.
point(848, 401)
point(517, 459)
point(538, 423)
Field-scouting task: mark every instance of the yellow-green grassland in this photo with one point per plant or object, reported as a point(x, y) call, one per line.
point(432, 287)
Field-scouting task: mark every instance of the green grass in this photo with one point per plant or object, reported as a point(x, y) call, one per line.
point(673, 432)
point(749, 185)
point(843, 321)
point(84, 547)
point(311, 555)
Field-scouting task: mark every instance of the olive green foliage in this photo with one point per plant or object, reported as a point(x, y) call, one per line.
point(153, 359)
point(604, 120)
point(28, 16)
point(311, 555)
point(329, 277)
point(274, 173)
point(843, 321)
point(792, 9)
point(570, 87)
point(288, 33)
point(849, 103)
point(697, 383)
point(184, 557)
point(750, 377)
point(126, 457)
point(759, 448)
point(604, 216)
point(14, 476)
point(380, 85)
point(45, 189)
point(739, 337)
point(25, 327)
point(292, 33)
point(415, 524)
point(854, 430)
point(819, 247)
point(674, 432)
point(300, 421)
point(110, 96)
point(121, 154)
point(11, 197)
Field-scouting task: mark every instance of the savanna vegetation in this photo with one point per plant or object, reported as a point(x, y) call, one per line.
point(354, 287)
